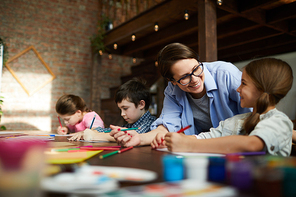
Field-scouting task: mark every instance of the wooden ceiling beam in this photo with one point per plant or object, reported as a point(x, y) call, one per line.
point(160, 12)
point(252, 10)
point(282, 13)
point(172, 32)
point(263, 53)
point(246, 37)
point(235, 26)
point(260, 45)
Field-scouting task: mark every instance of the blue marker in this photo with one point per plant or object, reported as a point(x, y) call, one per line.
point(92, 122)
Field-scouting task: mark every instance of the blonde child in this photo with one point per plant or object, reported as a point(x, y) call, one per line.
point(133, 99)
point(77, 117)
point(264, 83)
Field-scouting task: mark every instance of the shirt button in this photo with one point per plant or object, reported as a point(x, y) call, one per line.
point(272, 148)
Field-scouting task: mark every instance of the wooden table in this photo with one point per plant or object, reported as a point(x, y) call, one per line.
point(139, 157)
point(142, 157)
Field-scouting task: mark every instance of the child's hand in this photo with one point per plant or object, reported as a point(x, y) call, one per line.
point(77, 136)
point(62, 130)
point(89, 134)
point(158, 141)
point(125, 138)
point(178, 142)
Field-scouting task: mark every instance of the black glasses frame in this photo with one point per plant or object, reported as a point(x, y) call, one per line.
point(192, 73)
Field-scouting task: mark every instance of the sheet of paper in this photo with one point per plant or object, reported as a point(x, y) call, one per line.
point(52, 134)
point(11, 132)
point(192, 154)
point(60, 144)
point(93, 141)
point(69, 158)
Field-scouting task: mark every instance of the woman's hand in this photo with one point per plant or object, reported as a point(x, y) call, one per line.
point(62, 130)
point(77, 136)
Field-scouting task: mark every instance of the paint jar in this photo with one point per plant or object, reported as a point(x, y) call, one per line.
point(241, 175)
point(289, 181)
point(217, 170)
point(231, 159)
point(21, 167)
point(173, 169)
point(196, 168)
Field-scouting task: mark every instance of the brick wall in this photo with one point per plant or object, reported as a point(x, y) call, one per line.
point(59, 30)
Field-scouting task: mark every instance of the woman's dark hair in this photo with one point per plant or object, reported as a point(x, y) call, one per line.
point(69, 104)
point(172, 53)
point(134, 91)
point(274, 78)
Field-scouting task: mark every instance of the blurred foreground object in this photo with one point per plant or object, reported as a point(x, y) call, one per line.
point(21, 164)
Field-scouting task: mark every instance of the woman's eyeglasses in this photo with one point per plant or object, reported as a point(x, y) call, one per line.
point(187, 78)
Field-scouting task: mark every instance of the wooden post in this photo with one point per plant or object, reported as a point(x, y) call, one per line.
point(207, 30)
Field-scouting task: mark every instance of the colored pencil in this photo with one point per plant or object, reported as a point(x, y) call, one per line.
point(182, 130)
point(100, 148)
point(109, 154)
point(65, 149)
point(90, 146)
point(108, 131)
point(71, 151)
point(135, 128)
point(125, 149)
point(60, 121)
point(92, 122)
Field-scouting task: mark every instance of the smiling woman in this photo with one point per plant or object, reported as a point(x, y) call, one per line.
point(198, 94)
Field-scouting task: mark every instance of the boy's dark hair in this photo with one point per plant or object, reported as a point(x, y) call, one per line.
point(134, 91)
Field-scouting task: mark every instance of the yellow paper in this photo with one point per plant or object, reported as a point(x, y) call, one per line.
point(72, 157)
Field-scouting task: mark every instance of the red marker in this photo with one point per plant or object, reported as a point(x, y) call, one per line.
point(60, 121)
point(125, 149)
point(182, 130)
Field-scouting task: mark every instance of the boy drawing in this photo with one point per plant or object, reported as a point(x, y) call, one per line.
point(133, 99)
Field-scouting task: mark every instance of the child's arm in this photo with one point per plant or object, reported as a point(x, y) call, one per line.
point(90, 134)
point(229, 144)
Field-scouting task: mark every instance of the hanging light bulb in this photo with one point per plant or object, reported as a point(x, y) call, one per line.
point(115, 45)
point(110, 56)
point(133, 37)
point(219, 2)
point(100, 52)
point(156, 26)
point(186, 15)
point(156, 63)
point(134, 60)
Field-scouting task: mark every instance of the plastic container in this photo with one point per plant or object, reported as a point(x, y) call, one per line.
point(173, 169)
point(217, 169)
point(196, 168)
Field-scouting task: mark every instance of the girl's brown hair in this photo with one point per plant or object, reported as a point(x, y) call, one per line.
point(274, 78)
point(172, 53)
point(69, 104)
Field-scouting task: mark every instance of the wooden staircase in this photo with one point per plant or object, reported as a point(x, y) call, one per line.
point(109, 110)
